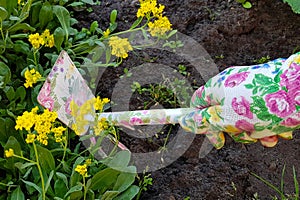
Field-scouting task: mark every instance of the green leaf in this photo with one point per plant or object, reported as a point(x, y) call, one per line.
point(113, 16)
point(59, 37)
point(104, 179)
point(295, 5)
point(9, 92)
point(17, 194)
point(263, 80)
point(13, 143)
point(136, 23)
point(5, 75)
point(249, 86)
point(130, 193)
point(63, 177)
point(76, 188)
point(120, 160)
point(60, 188)
point(3, 13)
point(31, 184)
point(93, 27)
point(63, 17)
point(21, 27)
point(21, 47)
point(46, 14)
point(49, 180)
point(108, 195)
point(45, 158)
point(247, 5)
point(124, 181)
point(20, 93)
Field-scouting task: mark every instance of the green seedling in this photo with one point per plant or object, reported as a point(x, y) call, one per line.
point(246, 4)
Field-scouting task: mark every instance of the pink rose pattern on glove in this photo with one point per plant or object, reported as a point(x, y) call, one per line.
point(258, 102)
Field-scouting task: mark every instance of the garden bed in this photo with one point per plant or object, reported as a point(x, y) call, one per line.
point(232, 35)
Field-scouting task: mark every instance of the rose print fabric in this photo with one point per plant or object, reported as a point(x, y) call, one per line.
point(250, 103)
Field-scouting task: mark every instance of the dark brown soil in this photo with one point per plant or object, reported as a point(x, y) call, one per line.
point(232, 35)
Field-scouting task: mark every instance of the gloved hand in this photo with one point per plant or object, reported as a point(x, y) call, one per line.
point(250, 103)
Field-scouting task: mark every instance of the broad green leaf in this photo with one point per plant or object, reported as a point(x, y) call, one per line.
point(13, 143)
point(31, 184)
point(9, 92)
point(73, 189)
point(120, 160)
point(124, 181)
point(104, 179)
point(45, 158)
point(136, 23)
point(295, 5)
point(63, 177)
point(60, 188)
point(129, 194)
point(35, 10)
point(5, 75)
point(46, 14)
point(63, 17)
point(108, 195)
point(20, 93)
point(21, 47)
point(3, 13)
point(17, 194)
point(59, 37)
point(21, 27)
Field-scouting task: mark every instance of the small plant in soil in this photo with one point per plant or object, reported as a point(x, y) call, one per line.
point(280, 190)
point(246, 4)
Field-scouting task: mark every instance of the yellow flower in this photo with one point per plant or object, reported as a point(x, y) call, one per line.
point(82, 170)
point(106, 33)
point(58, 132)
point(214, 113)
point(146, 7)
point(9, 153)
point(31, 77)
point(101, 125)
point(27, 120)
point(160, 26)
point(48, 38)
point(36, 40)
point(99, 103)
point(88, 162)
point(120, 46)
point(30, 138)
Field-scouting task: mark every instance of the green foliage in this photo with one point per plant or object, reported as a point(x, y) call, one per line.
point(280, 190)
point(295, 5)
point(246, 4)
point(38, 171)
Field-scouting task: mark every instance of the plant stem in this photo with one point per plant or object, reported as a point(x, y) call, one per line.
point(40, 171)
point(84, 189)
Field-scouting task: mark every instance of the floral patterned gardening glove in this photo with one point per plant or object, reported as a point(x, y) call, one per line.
point(250, 103)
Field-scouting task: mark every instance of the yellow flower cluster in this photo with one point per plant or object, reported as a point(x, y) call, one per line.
point(38, 40)
point(150, 9)
point(99, 103)
point(82, 169)
point(101, 125)
point(32, 76)
point(43, 126)
point(120, 46)
point(160, 26)
point(86, 111)
point(9, 153)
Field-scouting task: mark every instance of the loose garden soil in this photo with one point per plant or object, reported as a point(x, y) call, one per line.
point(232, 35)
